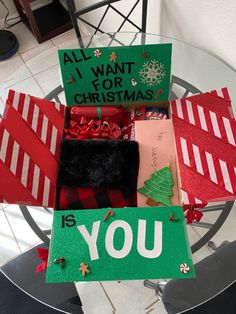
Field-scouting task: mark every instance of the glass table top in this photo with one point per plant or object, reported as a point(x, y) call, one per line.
point(193, 70)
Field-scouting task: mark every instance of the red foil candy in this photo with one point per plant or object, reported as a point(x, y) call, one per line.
point(93, 129)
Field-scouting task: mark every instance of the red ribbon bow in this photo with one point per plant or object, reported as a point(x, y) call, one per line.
point(93, 129)
point(193, 214)
point(43, 255)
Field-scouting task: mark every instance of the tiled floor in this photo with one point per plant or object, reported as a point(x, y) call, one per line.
point(23, 73)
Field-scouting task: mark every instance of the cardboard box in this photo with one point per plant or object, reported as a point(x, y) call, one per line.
point(31, 131)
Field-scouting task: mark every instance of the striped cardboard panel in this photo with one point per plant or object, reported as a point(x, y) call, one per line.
point(205, 135)
point(30, 135)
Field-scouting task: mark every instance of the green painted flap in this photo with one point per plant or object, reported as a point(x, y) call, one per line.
point(116, 74)
point(135, 243)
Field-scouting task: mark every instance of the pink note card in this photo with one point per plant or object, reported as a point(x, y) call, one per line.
point(157, 150)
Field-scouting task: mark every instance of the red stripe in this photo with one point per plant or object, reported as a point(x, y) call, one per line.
point(58, 144)
point(173, 108)
point(222, 129)
point(196, 115)
point(10, 97)
point(178, 146)
point(184, 109)
point(51, 198)
point(204, 164)
point(30, 114)
point(214, 92)
point(1, 133)
point(19, 163)
point(49, 134)
point(191, 155)
point(62, 110)
point(40, 187)
point(218, 172)
point(116, 198)
point(208, 120)
point(233, 128)
point(30, 177)
point(63, 202)
point(21, 103)
point(232, 177)
point(87, 196)
point(39, 124)
point(226, 93)
point(9, 151)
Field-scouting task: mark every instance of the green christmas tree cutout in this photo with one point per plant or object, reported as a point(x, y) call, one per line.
point(159, 186)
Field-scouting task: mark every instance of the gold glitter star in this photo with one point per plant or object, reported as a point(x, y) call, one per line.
point(84, 269)
point(113, 57)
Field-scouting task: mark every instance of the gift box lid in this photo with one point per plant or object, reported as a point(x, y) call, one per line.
point(32, 128)
point(205, 137)
point(30, 136)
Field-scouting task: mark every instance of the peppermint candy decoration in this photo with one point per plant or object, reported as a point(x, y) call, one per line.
point(97, 53)
point(184, 268)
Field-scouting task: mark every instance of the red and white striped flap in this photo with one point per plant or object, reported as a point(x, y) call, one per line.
point(205, 136)
point(30, 135)
point(189, 199)
point(206, 120)
point(222, 92)
point(43, 117)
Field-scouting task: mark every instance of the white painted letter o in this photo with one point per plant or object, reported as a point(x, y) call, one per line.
point(128, 239)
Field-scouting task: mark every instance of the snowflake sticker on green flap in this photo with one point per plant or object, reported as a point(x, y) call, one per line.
point(152, 73)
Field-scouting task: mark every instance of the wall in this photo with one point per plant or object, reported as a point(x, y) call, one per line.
point(11, 7)
point(206, 23)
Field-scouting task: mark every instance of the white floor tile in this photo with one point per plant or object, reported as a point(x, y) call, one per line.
point(2, 105)
point(13, 70)
point(29, 86)
point(17, 76)
point(34, 52)
point(8, 245)
point(26, 39)
point(17, 26)
point(49, 79)
point(93, 298)
point(44, 61)
point(130, 296)
point(23, 233)
point(65, 37)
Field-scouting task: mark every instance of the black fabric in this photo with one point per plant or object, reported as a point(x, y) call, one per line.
point(213, 275)
point(98, 163)
point(13, 300)
point(223, 303)
point(22, 272)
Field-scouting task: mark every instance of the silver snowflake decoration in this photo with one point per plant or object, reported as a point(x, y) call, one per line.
point(152, 73)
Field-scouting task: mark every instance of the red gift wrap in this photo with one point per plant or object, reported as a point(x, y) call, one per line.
point(109, 114)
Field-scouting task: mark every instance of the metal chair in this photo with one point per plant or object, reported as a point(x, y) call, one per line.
point(213, 274)
point(108, 6)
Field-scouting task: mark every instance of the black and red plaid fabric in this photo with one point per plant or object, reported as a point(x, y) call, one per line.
point(91, 198)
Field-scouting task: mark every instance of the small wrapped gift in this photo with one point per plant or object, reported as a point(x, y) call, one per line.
point(109, 114)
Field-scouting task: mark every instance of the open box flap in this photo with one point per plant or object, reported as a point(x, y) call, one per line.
point(30, 135)
point(205, 136)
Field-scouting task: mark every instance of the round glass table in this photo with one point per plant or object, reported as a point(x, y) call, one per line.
point(193, 71)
